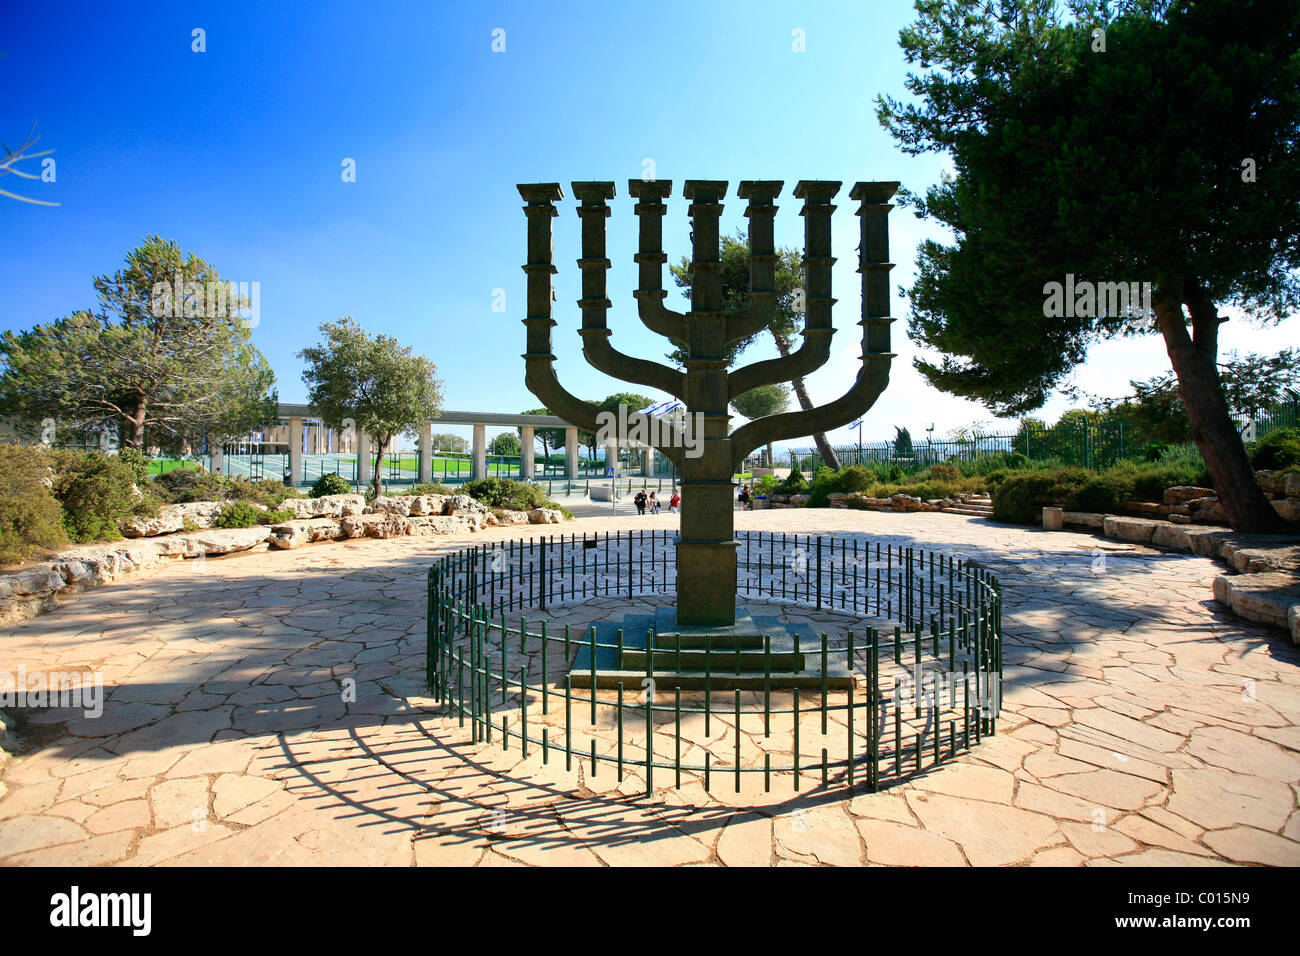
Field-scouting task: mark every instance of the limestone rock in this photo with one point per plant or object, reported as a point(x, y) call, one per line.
point(1138, 530)
point(221, 540)
point(1181, 494)
point(170, 518)
point(1288, 509)
point(1268, 597)
point(294, 534)
point(382, 525)
point(393, 506)
point(427, 504)
point(1085, 519)
point(545, 516)
point(327, 506)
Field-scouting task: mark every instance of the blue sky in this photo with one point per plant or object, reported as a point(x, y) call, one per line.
point(237, 154)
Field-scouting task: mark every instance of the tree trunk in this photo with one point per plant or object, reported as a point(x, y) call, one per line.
point(376, 480)
point(1195, 362)
point(136, 425)
point(829, 458)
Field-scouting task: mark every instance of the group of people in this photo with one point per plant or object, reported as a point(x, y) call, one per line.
point(651, 502)
point(745, 498)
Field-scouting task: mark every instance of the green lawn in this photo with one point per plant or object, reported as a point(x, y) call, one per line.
point(160, 466)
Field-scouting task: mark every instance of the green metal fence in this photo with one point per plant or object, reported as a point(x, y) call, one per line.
point(922, 639)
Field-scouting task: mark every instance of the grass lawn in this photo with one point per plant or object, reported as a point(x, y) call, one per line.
point(160, 466)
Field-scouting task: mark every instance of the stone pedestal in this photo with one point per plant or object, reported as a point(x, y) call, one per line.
point(1053, 519)
point(754, 652)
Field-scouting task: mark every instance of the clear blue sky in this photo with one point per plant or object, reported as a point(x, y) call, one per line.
point(236, 153)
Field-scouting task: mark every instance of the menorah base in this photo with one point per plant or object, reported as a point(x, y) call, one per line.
point(771, 653)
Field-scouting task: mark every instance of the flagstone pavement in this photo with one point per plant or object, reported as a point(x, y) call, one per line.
point(1142, 724)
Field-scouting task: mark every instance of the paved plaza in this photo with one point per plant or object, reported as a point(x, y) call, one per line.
point(1141, 724)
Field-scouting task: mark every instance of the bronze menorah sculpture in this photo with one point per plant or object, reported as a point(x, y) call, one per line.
point(706, 547)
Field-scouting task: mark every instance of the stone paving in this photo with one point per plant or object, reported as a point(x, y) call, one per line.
point(1141, 725)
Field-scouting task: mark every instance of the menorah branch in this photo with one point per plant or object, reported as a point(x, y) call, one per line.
point(871, 381)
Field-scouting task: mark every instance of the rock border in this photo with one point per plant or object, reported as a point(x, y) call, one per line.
point(43, 587)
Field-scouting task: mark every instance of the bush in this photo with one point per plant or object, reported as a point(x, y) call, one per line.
point(265, 491)
point(1281, 449)
point(183, 485)
point(429, 488)
point(239, 514)
point(31, 519)
point(945, 473)
point(506, 493)
point(330, 485)
point(277, 516)
point(136, 461)
point(793, 484)
point(1019, 498)
point(96, 494)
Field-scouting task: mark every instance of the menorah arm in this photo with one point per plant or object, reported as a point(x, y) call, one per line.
point(657, 317)
point(871, 381)
point(603, 356)
point(751, 321)
point(540, 379)
point(809, 357)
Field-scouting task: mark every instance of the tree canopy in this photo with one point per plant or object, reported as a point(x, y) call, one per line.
point(165, 360)
point(376, 383)
point(1142, 142)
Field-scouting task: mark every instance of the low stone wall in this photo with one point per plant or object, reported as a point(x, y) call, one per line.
point(41, 587)
point(861, 502)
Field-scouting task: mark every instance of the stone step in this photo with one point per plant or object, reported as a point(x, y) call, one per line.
point(712, 663)
point(718, 660)
point(972, 512)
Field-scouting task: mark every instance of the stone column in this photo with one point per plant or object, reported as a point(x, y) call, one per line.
point(295, 450)
point(527, 438)
point(365, 464)
point(571, 452)
point(480, 451)
point(648, 462)
point(426, 452)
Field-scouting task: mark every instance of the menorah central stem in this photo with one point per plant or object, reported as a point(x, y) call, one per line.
point(706, 549)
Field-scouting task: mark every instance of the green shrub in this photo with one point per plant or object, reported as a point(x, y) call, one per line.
point(1019, 497)
point(505, 493)
point(265, 491)
point(429, 488)
point(1281, 449)
point(188, 525)
point(31, 519)
point(330, 485)
point(96, 494)
point(136, 461)
point(277, 516)
point(239, 514)
point(793, 484)
point(945, 473)
point(183, 485)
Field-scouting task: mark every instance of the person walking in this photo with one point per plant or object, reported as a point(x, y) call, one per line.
point(654, 504)
point(640, 501)
point(675, 501)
